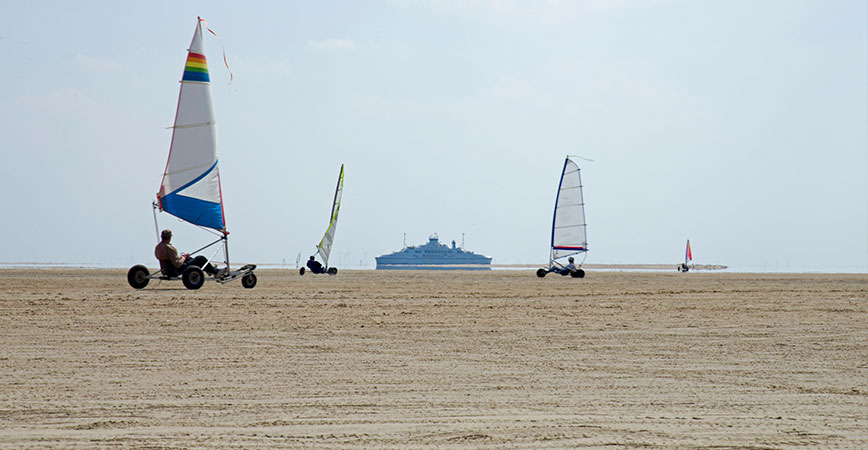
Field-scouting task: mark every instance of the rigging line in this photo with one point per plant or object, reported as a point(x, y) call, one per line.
point(211, 230)
point(225, 62)
point(203, 248)
point(580, 157)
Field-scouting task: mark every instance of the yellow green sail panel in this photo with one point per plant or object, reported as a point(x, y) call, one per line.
point(325, 245)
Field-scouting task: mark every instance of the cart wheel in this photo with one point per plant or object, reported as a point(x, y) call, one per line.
point(333, 270)
point(578, 273)
point(301, 271)
point(138, 276)
point(541, 273)
point(249, 280)
point(193, 277)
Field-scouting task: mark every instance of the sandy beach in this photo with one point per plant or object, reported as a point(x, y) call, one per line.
point(399, 360)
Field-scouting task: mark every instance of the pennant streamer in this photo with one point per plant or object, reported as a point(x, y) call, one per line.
point(225, 62)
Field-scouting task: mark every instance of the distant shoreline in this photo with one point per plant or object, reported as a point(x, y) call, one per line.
point(654, 267)
point(618, 266)
point(494, 267)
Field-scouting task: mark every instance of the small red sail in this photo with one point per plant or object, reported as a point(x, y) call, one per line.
point(688, 255)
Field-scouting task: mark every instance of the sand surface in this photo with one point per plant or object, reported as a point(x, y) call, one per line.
point(402, 360)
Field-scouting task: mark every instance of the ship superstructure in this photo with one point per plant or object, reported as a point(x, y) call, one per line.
point(433, 256)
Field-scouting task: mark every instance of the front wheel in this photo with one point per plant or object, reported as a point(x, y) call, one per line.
point(248, 281)
point(333, 271)
point(193, 277)
point(578, 273)
point(138, 276)
point(301, 271)
point(541, 273)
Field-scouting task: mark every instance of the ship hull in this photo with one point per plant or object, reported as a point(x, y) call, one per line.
point(431, 267)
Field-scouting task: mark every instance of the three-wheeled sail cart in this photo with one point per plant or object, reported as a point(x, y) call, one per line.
point(569, 229)
point(324, 248)
point(688, 258)
point(190, 189)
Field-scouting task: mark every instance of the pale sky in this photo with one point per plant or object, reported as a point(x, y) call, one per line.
point(741, 125)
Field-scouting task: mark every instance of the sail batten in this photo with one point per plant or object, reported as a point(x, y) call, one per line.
point(193, 125)
point(190, 189)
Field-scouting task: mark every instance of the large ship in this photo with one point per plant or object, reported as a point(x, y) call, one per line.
point(433, 256)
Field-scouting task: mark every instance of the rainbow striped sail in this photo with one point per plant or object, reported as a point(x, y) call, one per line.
point(196, 68)
point(191, 182)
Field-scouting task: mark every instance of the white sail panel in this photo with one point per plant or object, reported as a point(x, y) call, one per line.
point(569, 230)
point(191, 155)
point(205, 187)
point(325, 245)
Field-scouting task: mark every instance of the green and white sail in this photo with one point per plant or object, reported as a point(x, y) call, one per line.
point(325, 245)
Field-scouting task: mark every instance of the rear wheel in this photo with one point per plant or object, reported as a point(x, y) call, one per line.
point(193, 277)
point(249, 280)
point(578, 273)
point(333, 271)
point(541, 273)
point(138, 276)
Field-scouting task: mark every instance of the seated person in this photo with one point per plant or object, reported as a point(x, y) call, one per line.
point(568, 269)
point(315, 266)
point(172, 264)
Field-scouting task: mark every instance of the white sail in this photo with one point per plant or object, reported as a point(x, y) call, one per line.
point(190, 188)
point(569, 230)
point(325, 245)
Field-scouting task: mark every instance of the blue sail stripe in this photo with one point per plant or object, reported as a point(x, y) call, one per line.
point(190, 75)
point(194, 210)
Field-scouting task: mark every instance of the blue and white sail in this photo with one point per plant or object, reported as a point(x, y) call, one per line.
point(191, 182)
point(569, 230)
